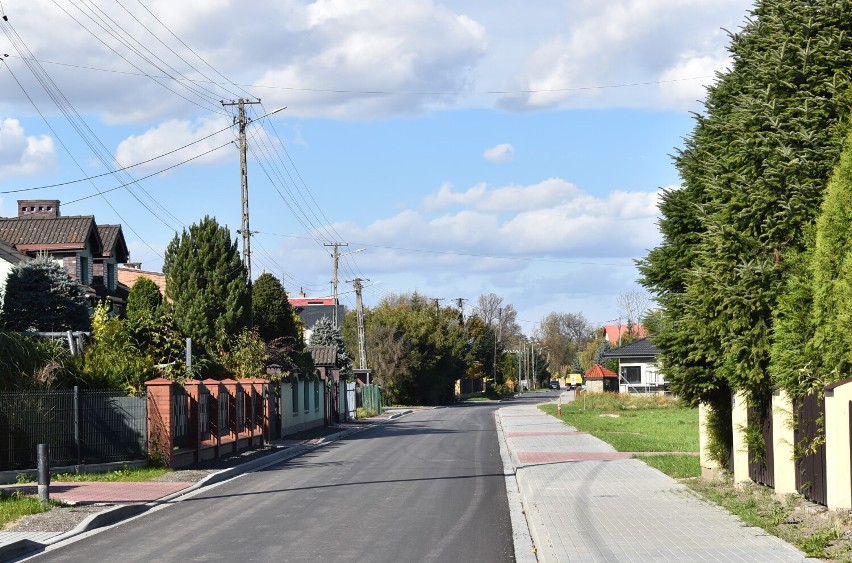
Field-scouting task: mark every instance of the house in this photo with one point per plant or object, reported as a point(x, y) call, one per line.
point(312, 309)
point(89, 253)
point(600, 379)
point(132, 271)
point(637, 367)
point(614, 333)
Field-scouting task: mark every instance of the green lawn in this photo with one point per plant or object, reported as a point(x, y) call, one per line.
point(632, 423)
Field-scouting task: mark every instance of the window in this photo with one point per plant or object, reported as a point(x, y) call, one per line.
point(632, 374)
point(307, 397)
point(316, 394)
point(110, 276)
point(295, 386)
point(84, 270)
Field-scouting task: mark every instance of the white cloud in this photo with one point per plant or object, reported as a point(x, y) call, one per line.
point(22, 154)
point(678, 84)
point(503, 152)
point(626, 42)
point(551, 218)
point(172, 135)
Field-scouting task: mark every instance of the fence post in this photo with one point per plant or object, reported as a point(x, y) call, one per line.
point(160, 440)
point(43, 456)
point(783, 434)
point(739, 423)
point(837, 447)
point(77, 446)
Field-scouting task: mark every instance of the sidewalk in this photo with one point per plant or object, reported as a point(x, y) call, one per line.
point(123, 500)
point(585, 502)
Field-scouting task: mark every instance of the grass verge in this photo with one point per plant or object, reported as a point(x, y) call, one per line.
point(632, 423)
point(677, 466)
point(791, 519)
point(125, 474)
point(16, 505)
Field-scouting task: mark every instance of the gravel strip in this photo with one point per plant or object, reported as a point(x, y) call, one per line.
point(58, 519)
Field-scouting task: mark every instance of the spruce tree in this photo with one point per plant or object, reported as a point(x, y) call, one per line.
point(325, 334)
point(753, 170)
point(207, 285)
point(272, 313)
point(40, 296)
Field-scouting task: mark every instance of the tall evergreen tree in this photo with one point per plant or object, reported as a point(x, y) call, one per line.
point(40, 296)
point(325, 334)
point(207, 285)
point(143, 301)
point(753, 173)
point(272, 313)
point(813, 340)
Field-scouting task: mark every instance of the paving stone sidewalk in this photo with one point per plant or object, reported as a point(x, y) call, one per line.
point(585, 502)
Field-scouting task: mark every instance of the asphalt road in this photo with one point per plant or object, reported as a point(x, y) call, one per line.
point(426, 487)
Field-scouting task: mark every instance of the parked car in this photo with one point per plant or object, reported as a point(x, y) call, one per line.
point(554, 384)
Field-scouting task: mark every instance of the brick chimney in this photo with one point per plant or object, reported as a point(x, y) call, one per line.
point(40, 208)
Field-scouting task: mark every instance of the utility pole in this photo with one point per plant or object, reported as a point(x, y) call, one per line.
point(437, 309)
point(244, 231)
point(335, 257)
point(497, 336)
point(460, 304)
point(359, 310)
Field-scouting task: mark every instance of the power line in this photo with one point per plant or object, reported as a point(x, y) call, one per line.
point(412, 92)
point(470, 255)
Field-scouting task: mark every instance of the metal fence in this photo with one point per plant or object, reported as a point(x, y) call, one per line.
point(79, 426)
point(370, 398)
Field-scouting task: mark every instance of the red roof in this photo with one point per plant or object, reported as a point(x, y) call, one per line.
point(597, 371)
point(308, 301)
point(613, 332)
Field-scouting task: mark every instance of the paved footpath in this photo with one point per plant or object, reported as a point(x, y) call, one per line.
point(585, 502)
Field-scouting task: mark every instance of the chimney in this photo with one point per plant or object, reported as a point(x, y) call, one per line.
point(39, 208)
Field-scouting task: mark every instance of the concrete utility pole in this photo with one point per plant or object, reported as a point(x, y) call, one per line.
point(460, 304)
point(335, 258)
point(359, 310)
point(437, 309)
point(245, 231)
point(497, 338)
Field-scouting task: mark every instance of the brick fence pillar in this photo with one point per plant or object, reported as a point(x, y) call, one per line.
point(160, 441)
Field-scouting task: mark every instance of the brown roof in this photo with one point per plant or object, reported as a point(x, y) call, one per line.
point(597, 371)
point(324, 355)
point(30, 234)
point(114, 244)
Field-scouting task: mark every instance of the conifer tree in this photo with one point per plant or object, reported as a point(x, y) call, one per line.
point(753, 170)
point(325, 334)
point(40, 296)
point(207, 285)
point(272, 313)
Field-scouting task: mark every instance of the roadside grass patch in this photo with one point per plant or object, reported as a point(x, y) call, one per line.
point(16, 505)
point(785, 518)
point(125, 474)
point(677, 466)
point(632, 423)
point(478, 398)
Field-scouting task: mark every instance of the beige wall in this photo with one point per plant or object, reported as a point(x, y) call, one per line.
point(837, 471)
point(739, 418)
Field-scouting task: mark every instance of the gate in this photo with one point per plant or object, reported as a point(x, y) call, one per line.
point(761, 465)
point(809, 436)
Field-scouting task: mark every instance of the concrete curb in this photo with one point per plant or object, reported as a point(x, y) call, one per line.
point(17, 549)
point(524, 545)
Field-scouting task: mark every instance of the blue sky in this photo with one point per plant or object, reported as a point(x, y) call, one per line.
point(468, 146)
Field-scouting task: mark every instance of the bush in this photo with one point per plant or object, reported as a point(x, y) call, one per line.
point(361, 412)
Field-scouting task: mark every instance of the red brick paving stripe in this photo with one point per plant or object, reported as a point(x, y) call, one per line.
point(554, 457)
point(111, 492)
point(558, 433)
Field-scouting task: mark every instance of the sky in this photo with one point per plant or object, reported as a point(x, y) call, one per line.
point(458, 148)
